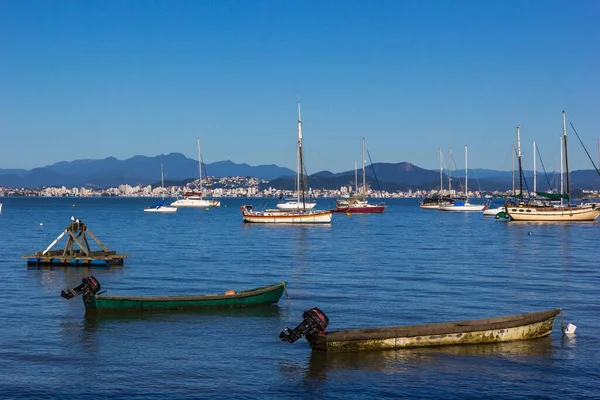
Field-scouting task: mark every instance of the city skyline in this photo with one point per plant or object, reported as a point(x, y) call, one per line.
point(91, 80)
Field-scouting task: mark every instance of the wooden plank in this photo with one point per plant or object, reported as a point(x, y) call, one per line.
point(97, 240)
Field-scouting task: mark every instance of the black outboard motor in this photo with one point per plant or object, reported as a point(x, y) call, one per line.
point(315, 321)
point(88, 285)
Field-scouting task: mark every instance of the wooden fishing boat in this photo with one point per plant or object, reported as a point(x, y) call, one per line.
point(96, 301)
point(492, 330)
point(302, 211)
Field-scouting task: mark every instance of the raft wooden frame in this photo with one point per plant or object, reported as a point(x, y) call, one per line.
point(77, 234)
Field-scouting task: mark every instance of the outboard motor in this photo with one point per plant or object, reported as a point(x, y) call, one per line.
point(315, 321)
point(88, 285)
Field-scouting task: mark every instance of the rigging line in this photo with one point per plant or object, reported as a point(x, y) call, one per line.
point(456, 169)
point(374, 174)
point(537, 148)
point(582, 145)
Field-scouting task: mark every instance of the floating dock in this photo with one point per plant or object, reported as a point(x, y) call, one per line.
point(81, 255)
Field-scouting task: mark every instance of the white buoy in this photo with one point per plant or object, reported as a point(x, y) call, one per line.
point(41, 224)
point(570, 329)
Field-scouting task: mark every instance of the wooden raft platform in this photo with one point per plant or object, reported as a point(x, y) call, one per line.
point(77, 234)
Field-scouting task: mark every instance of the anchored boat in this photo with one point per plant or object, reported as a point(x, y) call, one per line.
point(96, 301)
point(300, 213)
point(492, 330)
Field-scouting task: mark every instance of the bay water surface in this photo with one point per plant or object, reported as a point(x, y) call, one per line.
point(406, 266)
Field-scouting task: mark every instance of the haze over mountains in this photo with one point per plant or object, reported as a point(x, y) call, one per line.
point(111, 172)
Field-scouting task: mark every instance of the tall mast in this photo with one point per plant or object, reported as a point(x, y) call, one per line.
point(562, 175)
point(566, 158)
point(513, 170)
point(162, 181)
point(199, 166)
point(466, 176)
point(300, 166)
point(519, 161)
point(441, 171)
point(449, 170)
point(355, 178)
point(534, 170)
point(364, 187)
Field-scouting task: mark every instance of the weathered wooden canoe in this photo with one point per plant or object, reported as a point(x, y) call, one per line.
point(492, 330)
point(97, 302)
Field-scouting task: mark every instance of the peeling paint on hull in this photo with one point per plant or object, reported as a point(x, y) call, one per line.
point(444, 334)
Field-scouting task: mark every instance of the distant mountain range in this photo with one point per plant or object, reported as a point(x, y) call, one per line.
point(110, 172)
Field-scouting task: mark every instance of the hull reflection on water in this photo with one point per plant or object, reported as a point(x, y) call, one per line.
point(400, 361)
point(92, 321)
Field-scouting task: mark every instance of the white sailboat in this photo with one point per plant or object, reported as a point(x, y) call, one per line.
point(196, 199)
point(160, 207)
point(300, 215)
point(464, 205)
point(540, 210)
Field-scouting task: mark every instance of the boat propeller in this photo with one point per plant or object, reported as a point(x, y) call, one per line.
point(315, 321)
point(88, 285)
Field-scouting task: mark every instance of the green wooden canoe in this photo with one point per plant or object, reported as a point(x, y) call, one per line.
point(95, 301)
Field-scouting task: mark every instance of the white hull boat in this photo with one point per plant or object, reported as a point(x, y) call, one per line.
point(196, 203)
point(161, 209)
point(491, 212)
point(195, 199)
point(462, 207)
point(296, 205)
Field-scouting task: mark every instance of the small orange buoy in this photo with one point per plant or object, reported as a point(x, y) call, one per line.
point(229, 292)
point(348, 214)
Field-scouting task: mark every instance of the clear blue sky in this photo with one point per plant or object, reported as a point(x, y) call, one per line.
point(92, 79)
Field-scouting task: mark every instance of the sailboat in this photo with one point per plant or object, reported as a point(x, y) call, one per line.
point(359, 204)
point(295, 203)
point(196, 199)
point(464, 205)
point(300, 215)
point(538, 210)
point(435, 201)
point(160, 207)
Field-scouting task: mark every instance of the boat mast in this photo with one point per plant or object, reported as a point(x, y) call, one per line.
point(355, 178)
point(534, 174)
point(513, 170)
point(162, 182)
point(199, 167)
point(300, 164)
point(466, 176)
point(519, 158)
point(441, 171)
point(364, 185)
point(449, 171)
point(562, 175)
point(566, 158)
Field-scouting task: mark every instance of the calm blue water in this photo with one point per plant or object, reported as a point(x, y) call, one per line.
point(403, 267)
